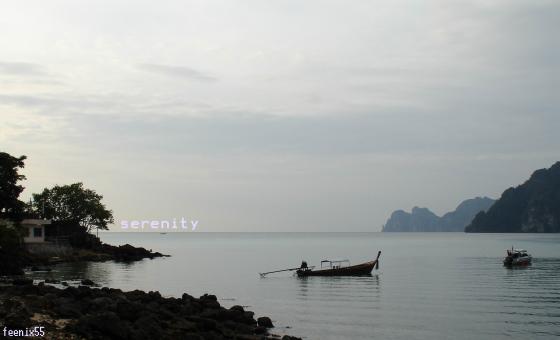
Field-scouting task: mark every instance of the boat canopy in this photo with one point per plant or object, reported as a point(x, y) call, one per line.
point(335, 263)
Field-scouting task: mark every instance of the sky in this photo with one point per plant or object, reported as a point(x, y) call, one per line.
point(252, 115)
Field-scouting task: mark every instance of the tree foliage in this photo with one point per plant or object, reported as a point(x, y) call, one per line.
point(73, 204)
point(10, 205)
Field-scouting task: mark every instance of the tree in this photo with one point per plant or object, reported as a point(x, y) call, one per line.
point(10, 205)
point(73, 204)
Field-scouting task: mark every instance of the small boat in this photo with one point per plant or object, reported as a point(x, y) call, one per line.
point(339, 268)
point(517, 257)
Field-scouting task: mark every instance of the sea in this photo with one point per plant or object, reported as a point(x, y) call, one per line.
point(428, 285)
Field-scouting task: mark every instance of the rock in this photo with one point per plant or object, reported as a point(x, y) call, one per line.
point(128, 253)
point(88, 282)
point(128, 310)
point(237, 308)
point(287, 337)
point(107, 313)
point(68, 310)
point(260, 330)
point(17, 314)
point(52, 281)
point(70, 292)
point(147, 327)
point(64, 283)
point(184, 325)
point(210, 301)
point(84, 292)
point(203, 323)
point(207, 297)
point(219, 314)
point(187, 297)
point(22, 281)
point(102, 325)
point(248, 318)
point(236, 313)
point(102, 304)
point(265, 321)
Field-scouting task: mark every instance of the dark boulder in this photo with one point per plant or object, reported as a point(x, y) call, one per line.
point(102, 303)
point(17, 315)
point(203, 324)
point(209, 297)
point(260, 330)
point(102, 325)
point(147, 327)
point(265, 322)
point(248, 318)
point(129, 310)
point(237, 308)
point(88, 282)
point(128, 253)
point(209, 301)
point(21, 281)
point(68, 310)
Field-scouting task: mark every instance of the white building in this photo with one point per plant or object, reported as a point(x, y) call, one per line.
point(35, 230)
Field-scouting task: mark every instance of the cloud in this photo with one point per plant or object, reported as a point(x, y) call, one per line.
point(177, 71)
point(21, 69)
point(376, 104)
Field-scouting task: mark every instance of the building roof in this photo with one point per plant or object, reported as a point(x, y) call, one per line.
point(35, 221)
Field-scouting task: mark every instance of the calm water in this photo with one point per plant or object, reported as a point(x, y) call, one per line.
point(429, 286)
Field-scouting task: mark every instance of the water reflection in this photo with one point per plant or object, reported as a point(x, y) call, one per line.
point(338, 288)
point(102, 273)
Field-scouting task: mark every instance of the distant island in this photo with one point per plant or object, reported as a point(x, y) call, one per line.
point(424, 220)
point(532, 207)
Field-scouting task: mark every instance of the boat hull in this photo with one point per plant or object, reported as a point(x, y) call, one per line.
point(520, 261)
point(357, 270)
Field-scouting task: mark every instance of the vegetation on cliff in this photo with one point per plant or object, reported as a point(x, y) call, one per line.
point(532, 207)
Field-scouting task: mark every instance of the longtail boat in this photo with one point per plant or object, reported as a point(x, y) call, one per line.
point(333, 268)
point(339, 268)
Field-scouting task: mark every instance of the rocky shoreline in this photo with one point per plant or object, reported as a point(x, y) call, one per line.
point(106, 252)
point(80, 310)
point(105, 313)
point(14, 262)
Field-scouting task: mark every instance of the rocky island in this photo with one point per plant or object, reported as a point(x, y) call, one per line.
point(532, 207)
point(423, 220)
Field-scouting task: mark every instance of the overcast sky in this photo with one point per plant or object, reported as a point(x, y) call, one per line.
point(280, 115)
